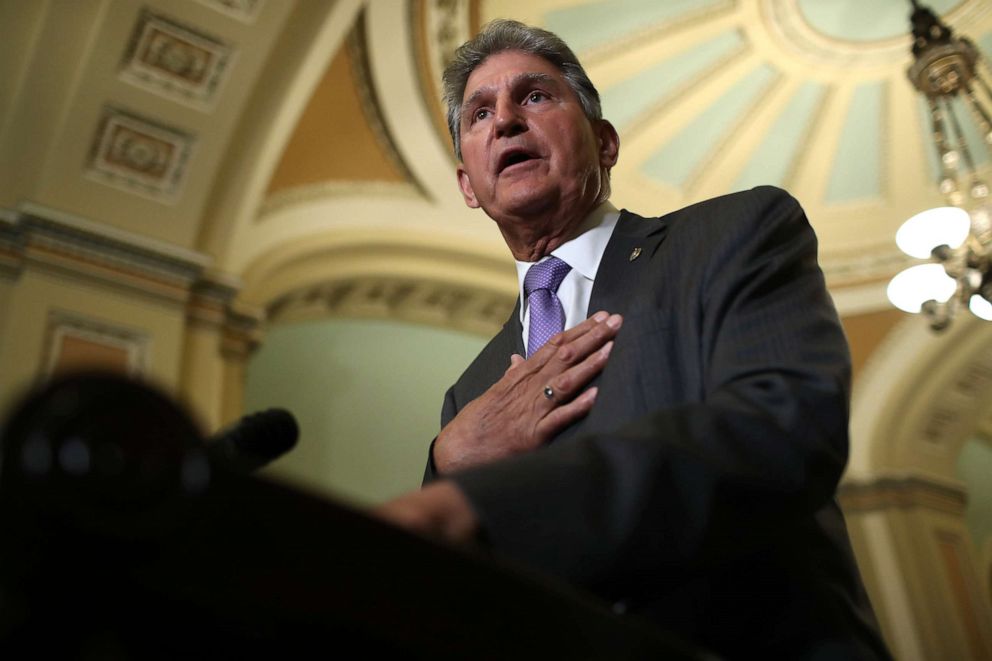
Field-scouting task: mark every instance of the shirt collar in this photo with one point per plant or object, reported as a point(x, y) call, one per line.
point(585, 249)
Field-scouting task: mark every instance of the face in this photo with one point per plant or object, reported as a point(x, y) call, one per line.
point(528, 150)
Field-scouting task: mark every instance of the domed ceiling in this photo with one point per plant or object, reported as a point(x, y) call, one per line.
point(296, 143)
point(712, 96)
point(709, 96)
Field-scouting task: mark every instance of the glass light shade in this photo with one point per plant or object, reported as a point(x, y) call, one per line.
point(931, 228)
point(980, 307)
point(911, 288)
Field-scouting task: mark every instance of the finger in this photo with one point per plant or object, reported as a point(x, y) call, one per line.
point(515, 361)
point(562, 416)
point(566, 384)
point(565, 338)
point(583, 346)
point(579, 330)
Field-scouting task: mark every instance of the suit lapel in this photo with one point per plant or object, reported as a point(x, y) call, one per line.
point(618, 280)
point(511, 337)
point(618, 273)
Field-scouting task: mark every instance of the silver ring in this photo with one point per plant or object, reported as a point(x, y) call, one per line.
point(548, 392)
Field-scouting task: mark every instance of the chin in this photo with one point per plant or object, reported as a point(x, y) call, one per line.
point(526, 203)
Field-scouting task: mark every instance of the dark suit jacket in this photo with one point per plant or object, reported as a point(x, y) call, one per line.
point(699, 491)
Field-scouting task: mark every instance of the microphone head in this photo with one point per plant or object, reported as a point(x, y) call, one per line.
point(267, 434)
point(255, 440)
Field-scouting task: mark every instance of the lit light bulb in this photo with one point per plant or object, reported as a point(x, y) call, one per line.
point(950, 159)
point(980, 307)
point(911, 288)
point(928, 229)
point(981, 223)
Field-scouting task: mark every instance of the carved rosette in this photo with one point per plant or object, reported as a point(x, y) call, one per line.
point(138, 155)
point(175, 61)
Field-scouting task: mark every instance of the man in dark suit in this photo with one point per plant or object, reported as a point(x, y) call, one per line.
point(678, 451)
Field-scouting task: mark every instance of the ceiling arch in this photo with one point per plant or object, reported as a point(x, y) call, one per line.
point(920, 399)
point(709, 96)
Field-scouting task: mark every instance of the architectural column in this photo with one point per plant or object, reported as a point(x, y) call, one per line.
point(220, 336)
point(76, 294)
point(918, 564)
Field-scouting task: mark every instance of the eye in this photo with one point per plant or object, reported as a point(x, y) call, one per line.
point(480, 114)
point(536, 96)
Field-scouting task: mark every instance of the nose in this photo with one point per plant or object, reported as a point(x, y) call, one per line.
point(509, 120)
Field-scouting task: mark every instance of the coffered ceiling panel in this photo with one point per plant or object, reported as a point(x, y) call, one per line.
point(247, 129)
point(712, 96)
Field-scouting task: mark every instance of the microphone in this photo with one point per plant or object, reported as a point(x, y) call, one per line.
point(254, 441)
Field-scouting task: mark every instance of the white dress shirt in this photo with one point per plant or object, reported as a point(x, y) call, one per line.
point(583, 253)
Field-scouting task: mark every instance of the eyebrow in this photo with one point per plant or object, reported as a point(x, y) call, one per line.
point(528, 77)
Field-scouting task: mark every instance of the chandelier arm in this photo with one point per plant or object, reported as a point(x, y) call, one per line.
point(947, 159)
point(980, 114)
point(937, 129)
point(969, 163)
point(943, 66)
point(938, 314)
point(980, 77)
point(952, 261)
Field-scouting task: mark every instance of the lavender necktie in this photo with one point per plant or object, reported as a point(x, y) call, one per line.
point(547, 317)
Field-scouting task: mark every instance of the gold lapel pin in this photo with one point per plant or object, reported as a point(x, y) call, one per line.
point(635, 253)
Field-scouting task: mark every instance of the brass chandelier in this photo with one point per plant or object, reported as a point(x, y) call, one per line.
point(957, 238)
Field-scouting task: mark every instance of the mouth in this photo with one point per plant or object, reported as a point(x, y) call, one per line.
point(512, 157)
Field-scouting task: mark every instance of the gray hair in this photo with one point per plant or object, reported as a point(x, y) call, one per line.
point(502, 35)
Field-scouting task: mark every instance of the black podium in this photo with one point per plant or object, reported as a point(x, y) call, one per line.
point(121, 540)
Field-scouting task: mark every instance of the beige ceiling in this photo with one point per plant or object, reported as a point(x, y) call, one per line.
point(271, 132)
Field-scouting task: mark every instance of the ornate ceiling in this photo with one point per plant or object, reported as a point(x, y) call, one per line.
point(269, 134)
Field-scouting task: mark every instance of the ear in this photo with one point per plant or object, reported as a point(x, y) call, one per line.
point(466, 187)
point(609, 144)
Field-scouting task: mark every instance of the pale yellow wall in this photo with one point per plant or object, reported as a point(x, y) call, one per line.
point(38, 292)
point(6, 293)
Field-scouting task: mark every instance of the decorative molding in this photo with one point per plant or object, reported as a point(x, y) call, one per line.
point(952, 414)
point(52, 239)
point(36, 236)
point(448, 23)
point(920, 397)
point(442, 26)
point(655, 32)
point(209, 298)
point(427, 302)
point(358, 49)
point(61, 325)
point(46, 238)
point(243, 10)
point(212, 304)
point(902, 492)
point(337, 189)
point(175, 61)
point(871, 264)
point(139, 155)
point(784, 19)
point(10, 244)
point(242, 332)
